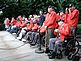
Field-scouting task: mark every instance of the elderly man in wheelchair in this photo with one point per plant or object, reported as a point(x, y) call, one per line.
point(63, 42)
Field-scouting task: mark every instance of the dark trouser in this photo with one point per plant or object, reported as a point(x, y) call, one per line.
point(18, 31)
point(49, 34)
point(40, 37)
point(73, 31)
point(34, 37)
point(28, 35)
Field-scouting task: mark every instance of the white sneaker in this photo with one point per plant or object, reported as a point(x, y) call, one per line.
point(23, 39)
point(18, 38)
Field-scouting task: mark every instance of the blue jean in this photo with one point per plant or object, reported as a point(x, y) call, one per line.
point(28, 35)
point(55, 44)
point(34, 37)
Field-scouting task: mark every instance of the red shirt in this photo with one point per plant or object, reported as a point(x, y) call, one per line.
point(8, 22)
point(23, 25)
point(50, 20)
point(29, 27)
point(35, 27)
point(64, 31)
point(18, 23)
point(58, 17)
point(13, 22)
point(72, 18)
point(43, 29)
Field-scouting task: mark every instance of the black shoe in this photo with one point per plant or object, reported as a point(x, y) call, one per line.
point(29, 41)
point(50, 53)
point(47, 50)
point(32, 44)
point(59, 56)
point(52, 56)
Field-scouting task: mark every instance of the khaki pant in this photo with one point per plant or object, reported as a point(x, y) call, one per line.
point(49, 34)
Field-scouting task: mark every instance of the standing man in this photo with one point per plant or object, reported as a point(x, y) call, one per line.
point(72, 18)
point(41, 18)
point(50, 25)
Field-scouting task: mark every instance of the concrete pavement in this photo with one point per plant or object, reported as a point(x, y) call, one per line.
point(12, 49)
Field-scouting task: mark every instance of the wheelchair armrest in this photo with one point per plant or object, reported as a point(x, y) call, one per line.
point(78, 38)
point(69, 37)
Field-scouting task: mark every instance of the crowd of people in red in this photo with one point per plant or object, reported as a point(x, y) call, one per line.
point(53, 26)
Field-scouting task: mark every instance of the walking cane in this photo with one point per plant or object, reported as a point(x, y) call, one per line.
point(39, 50)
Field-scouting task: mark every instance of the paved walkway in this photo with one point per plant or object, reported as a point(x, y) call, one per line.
point(15, 50)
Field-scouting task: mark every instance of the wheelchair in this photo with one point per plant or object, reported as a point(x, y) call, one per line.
point(70, 47)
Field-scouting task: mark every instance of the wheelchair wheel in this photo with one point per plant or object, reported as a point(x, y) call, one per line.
point(72, 47)
point(59, 55)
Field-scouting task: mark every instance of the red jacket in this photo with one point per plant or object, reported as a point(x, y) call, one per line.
point(43, 29)
point(35, 27)
point(20, 18)
point(13, 22)
point(58, 17)
point(72, 18)
point(8, 22)
point(18, 23)
point(50, 20)
point(64, 31)
point(23, 25)
point(29, 27)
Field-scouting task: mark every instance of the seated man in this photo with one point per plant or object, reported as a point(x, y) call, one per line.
point(12, 28)
point(24, 30)
point(34, 32)
point(55, 43)
point(40, 36)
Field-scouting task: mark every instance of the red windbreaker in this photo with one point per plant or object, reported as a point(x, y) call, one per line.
point(72, 18)
point(18, 23)
point(64, 31)
point(23, 25)
point(13, 22)
point(35, 27)
point(43, 29)
point(50, 20)
point(29, 27)
point(8, 22)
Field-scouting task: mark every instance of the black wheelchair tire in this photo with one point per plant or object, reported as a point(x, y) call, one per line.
point(71, 41)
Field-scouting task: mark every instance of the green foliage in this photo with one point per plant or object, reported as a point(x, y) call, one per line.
point(79, 29)
point(27, 7)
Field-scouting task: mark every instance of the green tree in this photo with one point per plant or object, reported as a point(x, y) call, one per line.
point(26, 7)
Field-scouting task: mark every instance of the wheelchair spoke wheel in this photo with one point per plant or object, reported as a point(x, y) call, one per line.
point(72, 46)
